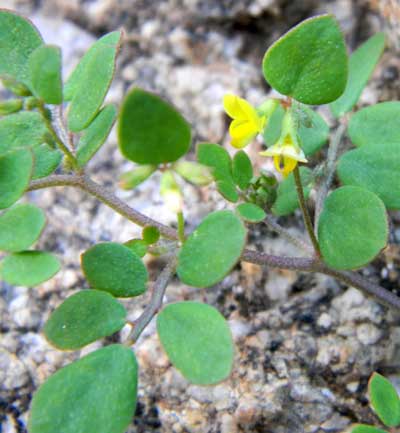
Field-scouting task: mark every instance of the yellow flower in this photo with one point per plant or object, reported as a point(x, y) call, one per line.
point(286, 151)
point(246, 124)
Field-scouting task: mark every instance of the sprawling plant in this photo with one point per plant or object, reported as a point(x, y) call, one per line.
point(51, 126)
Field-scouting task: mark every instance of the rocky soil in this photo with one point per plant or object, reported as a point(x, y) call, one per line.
point(305, 345)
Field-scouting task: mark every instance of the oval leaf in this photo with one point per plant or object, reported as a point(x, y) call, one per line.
point(79, 74)
point(251, 212)
point(150, 130)
point(96, 134)
point(45, 160)
point(228, 191)
point(114, 268)
point(20, 227)
point(98, 70)
point(242, 170)
point(45, 73)
point(96, 394)
point(15, 172)
point(25, 129)
point(361, 65)
point(212, 250)
point(376, 124)
point(375, 167)
point(18, 39)
point(384, 400)
point(28, 268)
point(83, 318)
point(353, 227)
point(204, 358)
point(287, 200)
point(309, 63)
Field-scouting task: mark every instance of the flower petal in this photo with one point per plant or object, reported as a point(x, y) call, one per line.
point(232, 107)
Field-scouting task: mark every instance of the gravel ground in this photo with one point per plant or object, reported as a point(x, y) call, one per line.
point(305, 345)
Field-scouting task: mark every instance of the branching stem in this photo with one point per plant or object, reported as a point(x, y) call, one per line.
point(304, 210)
point(295, 263)
point(155, 303)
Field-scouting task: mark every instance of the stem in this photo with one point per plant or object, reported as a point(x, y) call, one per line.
point(295, 263)
point(272, 224)
point(155, 303)
point(60, 143)
point(304, 210)
point(181, 227)
point(108, 198)
point(330, 171)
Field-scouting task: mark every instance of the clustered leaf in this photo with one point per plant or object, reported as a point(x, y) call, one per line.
point(20, 227)
point(211, 251)
point(96, 394)
point(353, 227)
point(114, 268)
point(83, 318)
point(205, 357)
point(309, 63)
point(151, 131)
point(28, 268)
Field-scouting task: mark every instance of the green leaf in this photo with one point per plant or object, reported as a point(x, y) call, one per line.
point(20, 227)
point(312, 136)
point(193, 172)
point(197, 340)
point(273, 128)
point(212, 250)
point(375, 167)
point(384, 400)
point(78, 77)
point(309, 63)
point(151, 131)
point(98, 70)
point(96, 394)
point(353, 227)
point(251, 212)
point(218, 159)
point(361, 65)
point(228, 190)
point(150, 235)
point(96, 134)
point(83, 318)
point(137, 246)
point(28, 268)
point(362, 428)
point(25, 129)
point(114, 268)
point(18, 39)
point(376, 124)
point(242, 170)
point(131, 179)
point(45, 73)
point(15, 172)
point(46, 160)
point(287, 200)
